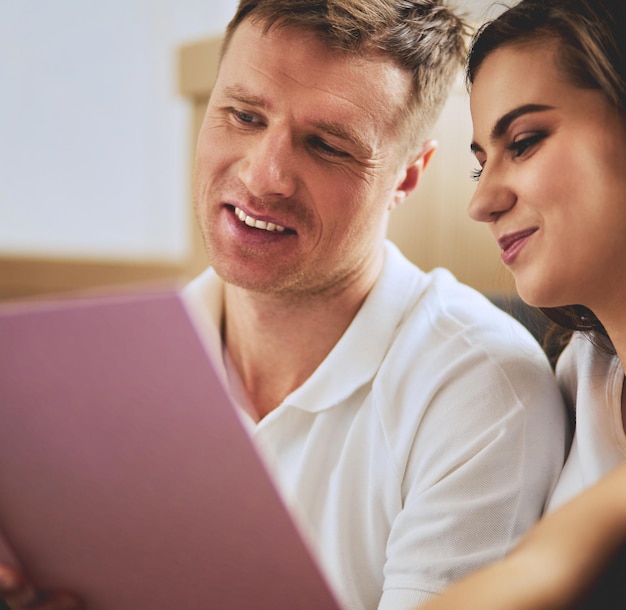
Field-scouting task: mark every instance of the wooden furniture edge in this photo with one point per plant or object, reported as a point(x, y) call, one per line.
point(197, 67)
point(26, 277)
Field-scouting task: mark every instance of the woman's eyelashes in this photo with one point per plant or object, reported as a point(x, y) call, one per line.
point(522, 144)
point(518, 149)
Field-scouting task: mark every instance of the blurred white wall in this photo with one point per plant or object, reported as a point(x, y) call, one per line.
point(94, 154)
point(94, 137)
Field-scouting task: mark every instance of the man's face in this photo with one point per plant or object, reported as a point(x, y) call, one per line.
point(299, 162)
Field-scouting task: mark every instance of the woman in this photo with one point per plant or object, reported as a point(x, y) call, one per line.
point(548, 100)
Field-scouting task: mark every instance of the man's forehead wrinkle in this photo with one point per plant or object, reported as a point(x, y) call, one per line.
point(294, 78)
point(354, 64)
point(288, 75)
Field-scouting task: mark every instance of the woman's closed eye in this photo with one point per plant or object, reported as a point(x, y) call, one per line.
point(521, 145)
point(518, 148)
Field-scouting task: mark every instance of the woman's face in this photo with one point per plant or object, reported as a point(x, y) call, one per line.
point(552, 181)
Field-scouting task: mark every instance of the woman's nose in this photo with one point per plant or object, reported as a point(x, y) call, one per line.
point(269, 166)
point(491, 199)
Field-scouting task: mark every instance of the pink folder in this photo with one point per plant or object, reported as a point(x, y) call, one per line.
point(125, 473)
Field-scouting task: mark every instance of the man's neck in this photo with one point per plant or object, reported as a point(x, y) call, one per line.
point(276, 343)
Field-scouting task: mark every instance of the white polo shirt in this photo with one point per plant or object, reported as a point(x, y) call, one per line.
point(421, 448)
point(592, 382)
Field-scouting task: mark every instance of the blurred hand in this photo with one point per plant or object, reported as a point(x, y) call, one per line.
point(18, 594)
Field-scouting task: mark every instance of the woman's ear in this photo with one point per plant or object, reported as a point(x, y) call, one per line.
point(413, 172)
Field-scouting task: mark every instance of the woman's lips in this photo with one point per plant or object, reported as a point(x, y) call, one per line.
point(512, 243)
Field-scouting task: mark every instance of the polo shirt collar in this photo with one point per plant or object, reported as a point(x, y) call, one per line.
point(357, 356)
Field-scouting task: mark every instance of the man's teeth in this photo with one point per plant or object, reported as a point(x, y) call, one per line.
point(258, 224)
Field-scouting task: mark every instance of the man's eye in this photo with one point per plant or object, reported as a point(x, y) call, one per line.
point(244, 117)
point(327, 149)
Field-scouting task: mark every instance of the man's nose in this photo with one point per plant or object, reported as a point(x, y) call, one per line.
point(491, 199)
point(269, 166)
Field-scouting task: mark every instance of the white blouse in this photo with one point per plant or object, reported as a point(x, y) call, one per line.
point(591, 382)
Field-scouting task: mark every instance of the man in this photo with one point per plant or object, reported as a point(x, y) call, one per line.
point(414, 429)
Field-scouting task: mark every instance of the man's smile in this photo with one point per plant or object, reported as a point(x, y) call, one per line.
point(258, 224)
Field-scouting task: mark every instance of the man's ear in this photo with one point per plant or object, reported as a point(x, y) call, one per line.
point(413, 173)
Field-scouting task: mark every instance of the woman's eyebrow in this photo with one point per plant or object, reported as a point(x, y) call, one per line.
point(504, 122)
